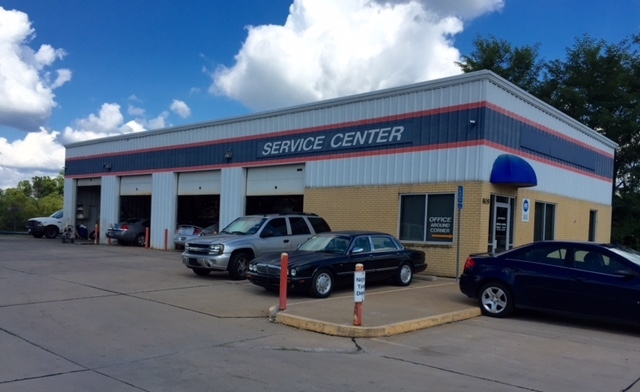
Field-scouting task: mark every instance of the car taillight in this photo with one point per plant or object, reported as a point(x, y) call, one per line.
point(470, 263)
point(196, 231)
point(124, 227)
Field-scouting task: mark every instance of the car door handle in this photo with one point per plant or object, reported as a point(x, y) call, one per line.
point(285, 241)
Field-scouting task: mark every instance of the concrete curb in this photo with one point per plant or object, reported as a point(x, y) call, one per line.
point(370, 332)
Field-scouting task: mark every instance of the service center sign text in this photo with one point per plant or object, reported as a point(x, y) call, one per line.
point(333, 140)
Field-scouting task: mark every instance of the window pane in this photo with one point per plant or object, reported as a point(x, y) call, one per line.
point(549, 219)
point(538, 222)
point(412, 217)
point(298, 226)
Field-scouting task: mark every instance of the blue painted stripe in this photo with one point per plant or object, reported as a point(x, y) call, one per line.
point(433, 130)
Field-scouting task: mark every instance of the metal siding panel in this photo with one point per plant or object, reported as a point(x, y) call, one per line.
point(515, 104)
point(164, 207)
point(199, 183)
point(447, 165)
point(276, 180)
point(109, 204)
point(232, 199)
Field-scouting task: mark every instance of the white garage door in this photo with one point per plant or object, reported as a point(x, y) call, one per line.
point(276, 180)
point(135, 186)
point(89, 181)
point(199, 183)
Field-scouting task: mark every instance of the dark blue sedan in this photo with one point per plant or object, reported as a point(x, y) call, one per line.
point(586, 279)
point(329, 259)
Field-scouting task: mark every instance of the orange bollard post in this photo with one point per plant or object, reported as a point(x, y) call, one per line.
point(96, 234)
point(166, 236)
point(146, 238)
point(358, 293)
point(284, 272)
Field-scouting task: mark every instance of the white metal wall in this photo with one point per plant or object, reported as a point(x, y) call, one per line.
point(276, 180)
point(450, 165)
point(199, 183)
point(69, 201)
point(431, 95)
point(164, 207)
point(529, 107)
point(109, 204)
point(232, 199)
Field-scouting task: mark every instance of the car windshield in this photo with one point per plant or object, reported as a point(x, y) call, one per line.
point(326, 243)
point(628, 254)
point(245, 225)
point(57, 214)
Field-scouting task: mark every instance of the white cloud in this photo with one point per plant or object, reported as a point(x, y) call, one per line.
point(26, 93)
point(180, 108)
point(333, 48)
point(326, 49)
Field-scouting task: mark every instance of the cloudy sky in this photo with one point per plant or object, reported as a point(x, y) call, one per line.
point(75, 70)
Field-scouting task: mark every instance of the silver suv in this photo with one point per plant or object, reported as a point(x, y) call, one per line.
point(247, 238)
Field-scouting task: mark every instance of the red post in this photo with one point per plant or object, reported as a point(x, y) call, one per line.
point(166, 236)
point(284, 272)
point(96, 234)
point(146, 238)
point(358, 293)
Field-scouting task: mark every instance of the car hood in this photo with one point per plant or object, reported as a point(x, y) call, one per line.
point(227, 239)
point(297, 258)
point(41, 218)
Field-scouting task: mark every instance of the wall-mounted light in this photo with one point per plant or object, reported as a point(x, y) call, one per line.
point(107, 166)
point(228, 154)
point(472, 122)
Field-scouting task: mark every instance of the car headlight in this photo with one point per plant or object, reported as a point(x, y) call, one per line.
point(252, 267)
point(216, 249)
point(293, 272)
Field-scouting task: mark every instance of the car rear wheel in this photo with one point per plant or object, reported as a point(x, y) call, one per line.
point(238, 265)
point(321, 284)
point(495, 300)
point(404, 274)
point(140, 240)
point(51, 232)
point(200, 271)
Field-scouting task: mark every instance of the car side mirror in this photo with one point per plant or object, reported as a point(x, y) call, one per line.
point(266, 233)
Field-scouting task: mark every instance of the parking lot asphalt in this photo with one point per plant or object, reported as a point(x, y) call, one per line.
point(386, 310)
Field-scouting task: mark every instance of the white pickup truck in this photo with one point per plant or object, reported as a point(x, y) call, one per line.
point(48, 226)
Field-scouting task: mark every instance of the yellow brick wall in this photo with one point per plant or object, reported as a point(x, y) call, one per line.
point(378, 208)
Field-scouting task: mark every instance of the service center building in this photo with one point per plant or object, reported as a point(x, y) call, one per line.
point(455, 166)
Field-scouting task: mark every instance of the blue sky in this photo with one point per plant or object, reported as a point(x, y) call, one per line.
point(75, 69)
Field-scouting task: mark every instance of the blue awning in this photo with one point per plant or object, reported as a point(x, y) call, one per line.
point(512, 170)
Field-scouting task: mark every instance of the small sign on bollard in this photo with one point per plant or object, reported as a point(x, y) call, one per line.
point(358, 293)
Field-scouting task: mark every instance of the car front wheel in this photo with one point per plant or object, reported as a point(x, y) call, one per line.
point(496, 300)
point(321, 284)
point(238, 265)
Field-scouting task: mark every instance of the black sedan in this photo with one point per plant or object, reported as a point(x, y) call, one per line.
point(329, 259)
point(584, 279)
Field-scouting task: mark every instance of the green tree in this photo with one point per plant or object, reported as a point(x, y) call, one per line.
point(519, 65)
point(598, 84)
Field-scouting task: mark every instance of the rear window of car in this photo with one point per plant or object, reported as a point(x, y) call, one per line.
point(299, 226)
point(319, 224)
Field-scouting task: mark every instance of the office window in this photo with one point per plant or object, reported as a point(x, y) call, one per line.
point(427, 218)
point(544, 222)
